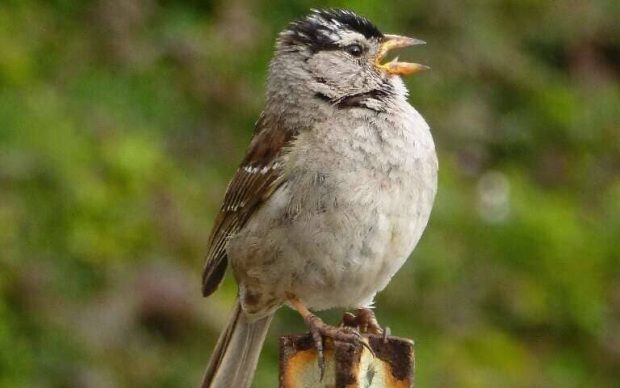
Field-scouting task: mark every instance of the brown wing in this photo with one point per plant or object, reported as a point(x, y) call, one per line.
point(255, 180)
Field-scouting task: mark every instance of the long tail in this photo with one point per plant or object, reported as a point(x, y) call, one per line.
point(236, 354)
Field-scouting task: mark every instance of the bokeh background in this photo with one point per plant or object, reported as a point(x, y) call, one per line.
point(122, 120)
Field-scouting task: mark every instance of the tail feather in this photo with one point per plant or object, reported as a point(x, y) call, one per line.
point(236, 354)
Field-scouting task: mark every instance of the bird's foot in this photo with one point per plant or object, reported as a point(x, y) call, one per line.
point(320, 331)
point(364, 320)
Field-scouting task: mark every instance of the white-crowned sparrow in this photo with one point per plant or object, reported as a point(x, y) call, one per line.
point(333, 194)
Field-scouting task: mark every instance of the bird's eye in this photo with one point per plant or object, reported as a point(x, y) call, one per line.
point(354, 49)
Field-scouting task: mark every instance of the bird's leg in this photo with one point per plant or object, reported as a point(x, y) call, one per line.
point(319, 330)
point(364, 319)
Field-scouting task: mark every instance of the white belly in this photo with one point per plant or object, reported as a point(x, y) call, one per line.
point(356, 249)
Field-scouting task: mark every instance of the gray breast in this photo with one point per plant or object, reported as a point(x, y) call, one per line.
point(357, 198)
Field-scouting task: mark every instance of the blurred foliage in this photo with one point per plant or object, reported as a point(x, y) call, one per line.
point(121, 121)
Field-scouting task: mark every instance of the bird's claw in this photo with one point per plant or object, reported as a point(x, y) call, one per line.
point(386, 334)
point(315, 324)
point(359, 338)
point(364, 320)
point(319, 330)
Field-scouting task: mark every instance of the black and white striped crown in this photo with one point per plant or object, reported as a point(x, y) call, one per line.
point(321, 29)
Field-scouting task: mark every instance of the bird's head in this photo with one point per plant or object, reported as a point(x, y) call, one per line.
point(339, 56)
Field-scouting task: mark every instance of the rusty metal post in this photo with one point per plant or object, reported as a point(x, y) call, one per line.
point(347, 366)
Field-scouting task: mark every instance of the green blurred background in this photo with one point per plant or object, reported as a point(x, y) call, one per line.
point(122, 120)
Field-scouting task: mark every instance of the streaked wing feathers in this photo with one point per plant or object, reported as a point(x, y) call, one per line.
point(255, 180)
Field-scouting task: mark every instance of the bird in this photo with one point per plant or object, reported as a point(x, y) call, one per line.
point(333, 194)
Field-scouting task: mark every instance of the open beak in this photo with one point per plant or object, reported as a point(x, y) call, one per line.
point(395, 67)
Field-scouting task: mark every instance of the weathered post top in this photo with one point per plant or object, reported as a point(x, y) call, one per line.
point(346, 365)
